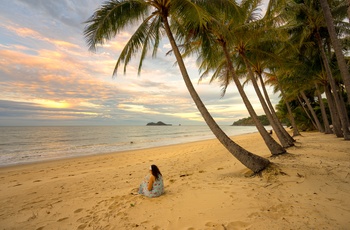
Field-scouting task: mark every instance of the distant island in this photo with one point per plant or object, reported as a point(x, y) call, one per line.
point(159, 123)
point(249, 121)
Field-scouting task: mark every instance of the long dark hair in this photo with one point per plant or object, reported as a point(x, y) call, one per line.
point(155, 171)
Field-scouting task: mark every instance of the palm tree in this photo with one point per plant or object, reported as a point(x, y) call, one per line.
point(343, 67)
point(155, 18)
point(213, 43)
point(251, 51)
point(255, 44)
point(272, 80)
point(307, 29)
point(333, 111)
point(312, 111)
point(259, 72)
point(327, 129)
point(337, 97)
point(291, 116)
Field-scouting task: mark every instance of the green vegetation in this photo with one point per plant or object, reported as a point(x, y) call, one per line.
point(294, 48)
point(248, 121)
point(159, 123)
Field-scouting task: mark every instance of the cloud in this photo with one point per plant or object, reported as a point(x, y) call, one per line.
point(49, 77)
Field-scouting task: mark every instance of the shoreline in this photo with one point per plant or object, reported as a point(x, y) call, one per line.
point(39, 148)
point(96, 155)
point(206, 188)
point(109, 153)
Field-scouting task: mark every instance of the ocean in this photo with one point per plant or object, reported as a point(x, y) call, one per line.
point(21, 145)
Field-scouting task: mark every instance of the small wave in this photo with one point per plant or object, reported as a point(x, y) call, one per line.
point(40, 143)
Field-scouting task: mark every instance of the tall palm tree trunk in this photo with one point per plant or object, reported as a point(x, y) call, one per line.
point(283, 140)
point(273, 112)
point(307, 114)
point(312, 111)
point(337, 98)
point(253, 162)
point(349, 10)
point(327, 129)
point(343, 105)
point(343, 67)
point(273, 146)
point(292, 120)
point(334, 113)
point(291, 117)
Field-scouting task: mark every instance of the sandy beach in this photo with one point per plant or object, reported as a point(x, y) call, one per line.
point(206, 188)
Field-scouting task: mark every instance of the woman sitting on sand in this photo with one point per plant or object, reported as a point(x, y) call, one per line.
point(152, 185)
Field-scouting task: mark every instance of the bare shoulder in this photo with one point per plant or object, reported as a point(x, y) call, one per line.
point(152, 178)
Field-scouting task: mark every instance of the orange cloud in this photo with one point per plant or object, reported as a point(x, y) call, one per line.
point(27, 32)
point(64, 44)
point(52, 104)
point(193, 116)
point(24, 32)
point(137, 108)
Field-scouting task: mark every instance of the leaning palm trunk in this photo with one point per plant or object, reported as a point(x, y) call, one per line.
point(273, 113)
point(334, 113)
point(291, 117)
point(349, 10)
point(343, 67)
point(343, 105)
point(273, 146)
point(114, 16)
point(283, 140)
point(327, 129)
point(313, 114)
point(292, 120)
point(337, 98)
point(307, 113)
point(250, 160)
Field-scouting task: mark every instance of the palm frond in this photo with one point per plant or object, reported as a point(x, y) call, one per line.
point(139, 40)
point(111, 18)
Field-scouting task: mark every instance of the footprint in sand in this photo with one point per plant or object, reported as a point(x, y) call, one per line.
point(62, 219)
point(82, 226)
point(237, 225)
point(78, 210)
point(231, 225)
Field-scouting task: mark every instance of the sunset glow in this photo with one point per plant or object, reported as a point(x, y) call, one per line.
point(52, 104)
point(48, 74)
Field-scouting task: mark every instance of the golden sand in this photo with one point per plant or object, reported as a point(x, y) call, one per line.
point(206, 188)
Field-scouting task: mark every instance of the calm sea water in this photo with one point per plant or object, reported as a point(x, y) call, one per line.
point(20, 145)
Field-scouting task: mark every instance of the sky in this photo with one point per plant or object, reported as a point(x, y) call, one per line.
point(50, 78)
